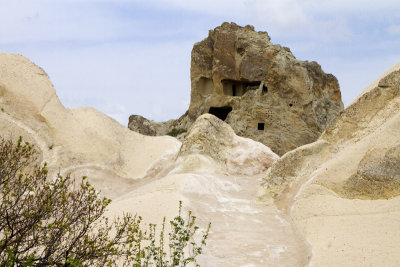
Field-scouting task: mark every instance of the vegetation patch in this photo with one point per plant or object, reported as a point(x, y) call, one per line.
point(358, 186)
point(176, 131)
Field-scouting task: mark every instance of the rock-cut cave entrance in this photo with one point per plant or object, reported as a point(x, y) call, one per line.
point(238, 88)
point(220, 112)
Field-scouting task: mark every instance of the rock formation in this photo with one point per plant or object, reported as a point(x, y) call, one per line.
point(261, 90)
point(78, 141)
point(344, 189)
point(214, 138)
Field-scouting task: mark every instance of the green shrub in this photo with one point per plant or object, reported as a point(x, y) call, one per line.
point(61, 222)
point(176, 131)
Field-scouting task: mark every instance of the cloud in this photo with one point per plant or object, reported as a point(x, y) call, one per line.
point(394, 29)
point(110, 20)
point(133, 57)
point(49, 21)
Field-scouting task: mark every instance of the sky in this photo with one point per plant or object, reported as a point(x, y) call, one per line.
point(126, 57)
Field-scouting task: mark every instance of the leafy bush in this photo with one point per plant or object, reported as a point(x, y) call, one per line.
point(62, 223)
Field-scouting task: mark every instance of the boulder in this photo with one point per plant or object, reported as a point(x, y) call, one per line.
point(260, 89)
point(212, 137)
point(377, 176)
point(141, 125)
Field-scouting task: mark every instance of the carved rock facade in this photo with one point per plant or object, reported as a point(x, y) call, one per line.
point(261, 90)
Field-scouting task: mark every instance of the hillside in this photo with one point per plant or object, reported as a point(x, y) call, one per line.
point(329, 203)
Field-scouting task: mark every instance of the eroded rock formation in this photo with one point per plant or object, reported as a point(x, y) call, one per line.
point(214, 138)
point(261, 90)
point(77, 141)
point(344, 189)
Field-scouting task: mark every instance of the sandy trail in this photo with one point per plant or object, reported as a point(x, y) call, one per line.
point(244, 231)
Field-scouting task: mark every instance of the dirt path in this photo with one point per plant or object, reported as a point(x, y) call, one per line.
point(244, 232)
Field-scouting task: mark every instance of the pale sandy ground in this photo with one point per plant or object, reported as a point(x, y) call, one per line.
point(344, 232)
point(143, 174)
point(341, 231)
point(244, 232)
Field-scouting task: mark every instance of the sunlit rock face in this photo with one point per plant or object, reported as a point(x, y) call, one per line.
point(79, 141)
point(344, 189)
point(363, 143)
point(213, 138)
point(261, 90)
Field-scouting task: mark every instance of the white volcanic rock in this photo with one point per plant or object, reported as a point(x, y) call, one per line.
point(214, 138)
point(71, 139)
point(343, 190)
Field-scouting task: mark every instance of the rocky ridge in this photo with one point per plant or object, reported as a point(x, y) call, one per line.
point(78, 141)
point(344, 188)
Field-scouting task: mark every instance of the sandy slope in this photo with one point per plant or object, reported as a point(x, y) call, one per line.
point(244, 232)
point(344, 227)
point(71, 138)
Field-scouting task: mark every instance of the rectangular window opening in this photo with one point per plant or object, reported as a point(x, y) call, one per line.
point(260, 126)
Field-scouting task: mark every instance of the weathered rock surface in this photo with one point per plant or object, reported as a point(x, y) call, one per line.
point(214, 138)
point(141, 125)
point(261, 90)
point(344, 189)
point(72, 140)
point(378, 175)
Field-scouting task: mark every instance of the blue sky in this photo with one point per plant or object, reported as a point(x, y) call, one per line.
point(133, 57)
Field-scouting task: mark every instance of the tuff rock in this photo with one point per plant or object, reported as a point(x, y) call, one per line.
point(260, 89)
point(213, 138)
point(345, 187)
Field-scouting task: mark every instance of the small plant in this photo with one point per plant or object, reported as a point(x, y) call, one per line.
point(176, 131)
point(183, 249)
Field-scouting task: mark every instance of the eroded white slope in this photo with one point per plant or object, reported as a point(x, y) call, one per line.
point(71, 139)
point(342, 190)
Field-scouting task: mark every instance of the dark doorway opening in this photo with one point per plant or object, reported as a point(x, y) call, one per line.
point(260, 126)
point(265, 89)
point(239, 87)
point(220, 112)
